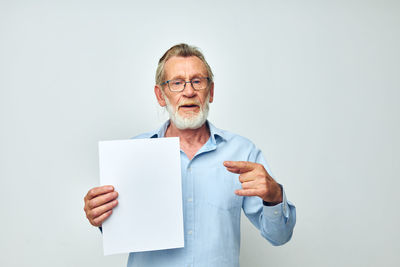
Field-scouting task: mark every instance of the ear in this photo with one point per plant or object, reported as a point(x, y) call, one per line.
point(211, 93)
point(159, 95)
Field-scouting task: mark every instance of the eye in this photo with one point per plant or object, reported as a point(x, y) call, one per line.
point(176, 82)
point(196, 81)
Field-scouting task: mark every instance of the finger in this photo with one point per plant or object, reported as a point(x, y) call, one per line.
point(246, 192)
point(240, 166)
point(96, 191)
point(249, 185)
point(100, 200)
point(247, 176)
point(96, 212)
point(99, 220)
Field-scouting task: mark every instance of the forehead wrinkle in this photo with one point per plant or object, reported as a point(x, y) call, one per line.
point(189, 68)
point(194, 68)
point(183, 77)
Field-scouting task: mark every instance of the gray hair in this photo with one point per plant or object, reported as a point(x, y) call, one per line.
point(180, 50)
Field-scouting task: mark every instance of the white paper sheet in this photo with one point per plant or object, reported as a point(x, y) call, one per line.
point(146, 173)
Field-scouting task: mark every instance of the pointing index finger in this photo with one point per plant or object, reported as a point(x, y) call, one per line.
point(239, 166)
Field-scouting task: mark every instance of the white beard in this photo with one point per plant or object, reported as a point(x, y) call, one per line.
point(192, 122)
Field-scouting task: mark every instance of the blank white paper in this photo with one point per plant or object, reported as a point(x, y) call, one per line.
point(146, 173)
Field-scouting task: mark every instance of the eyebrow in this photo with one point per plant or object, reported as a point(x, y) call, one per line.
point(197, 75)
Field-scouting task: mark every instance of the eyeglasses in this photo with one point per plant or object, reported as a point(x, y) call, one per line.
point(178, 85)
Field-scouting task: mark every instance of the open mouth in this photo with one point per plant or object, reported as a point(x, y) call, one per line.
point(189, 106)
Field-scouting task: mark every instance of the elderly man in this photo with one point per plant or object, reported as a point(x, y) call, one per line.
point(222, 173)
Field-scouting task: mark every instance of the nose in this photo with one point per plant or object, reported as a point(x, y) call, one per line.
point(188, 91)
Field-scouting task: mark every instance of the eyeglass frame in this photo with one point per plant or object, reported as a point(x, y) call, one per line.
point(191, 83)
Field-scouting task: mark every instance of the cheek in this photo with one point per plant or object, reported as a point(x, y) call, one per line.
point(172, 100)
point(204, 98)
point(175, 101)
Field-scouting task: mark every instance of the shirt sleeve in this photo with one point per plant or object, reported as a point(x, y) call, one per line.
point(276, 223)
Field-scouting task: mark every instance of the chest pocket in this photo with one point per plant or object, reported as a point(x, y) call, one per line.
point(215, 186)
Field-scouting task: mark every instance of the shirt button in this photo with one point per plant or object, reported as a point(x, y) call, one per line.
point(190, 232)
point(276, 212)
point(190, 200)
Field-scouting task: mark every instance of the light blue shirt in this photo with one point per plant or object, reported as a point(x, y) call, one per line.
point(211, 210)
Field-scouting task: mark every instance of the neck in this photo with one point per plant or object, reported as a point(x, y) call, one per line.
point(191, 140)
point(189, 135)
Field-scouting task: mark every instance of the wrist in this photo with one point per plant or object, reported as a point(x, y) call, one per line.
point(276, 199)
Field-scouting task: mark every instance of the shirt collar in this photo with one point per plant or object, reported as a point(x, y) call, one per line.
point(217, 135)
point(161, 131)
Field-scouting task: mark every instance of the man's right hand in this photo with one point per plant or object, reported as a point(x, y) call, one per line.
point(99, 202)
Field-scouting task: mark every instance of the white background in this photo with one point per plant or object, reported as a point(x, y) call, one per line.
point(315, 84)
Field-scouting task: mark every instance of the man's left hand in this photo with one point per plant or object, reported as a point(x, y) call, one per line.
point(255, 181)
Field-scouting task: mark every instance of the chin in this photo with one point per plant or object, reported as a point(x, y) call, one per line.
point(191, 122)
